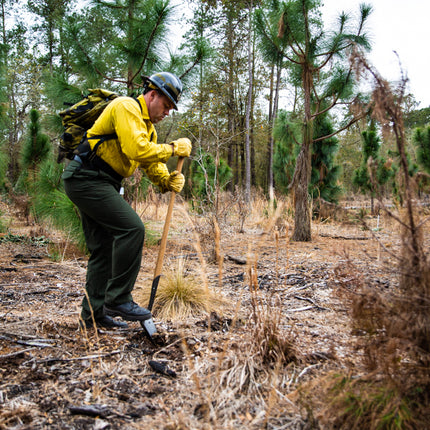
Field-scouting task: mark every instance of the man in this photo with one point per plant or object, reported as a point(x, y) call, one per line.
point(122, 139)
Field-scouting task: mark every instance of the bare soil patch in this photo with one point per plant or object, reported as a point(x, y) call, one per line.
point(56, 375)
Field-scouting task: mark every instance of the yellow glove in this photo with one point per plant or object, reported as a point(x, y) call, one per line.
point(182, 147)
point(175, 182)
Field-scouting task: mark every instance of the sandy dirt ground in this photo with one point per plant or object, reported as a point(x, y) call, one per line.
point(54, 375)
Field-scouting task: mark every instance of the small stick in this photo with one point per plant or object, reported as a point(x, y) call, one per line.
point(87, 357)
point(15, 354)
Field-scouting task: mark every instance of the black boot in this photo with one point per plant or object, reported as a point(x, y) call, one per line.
point(129, 311)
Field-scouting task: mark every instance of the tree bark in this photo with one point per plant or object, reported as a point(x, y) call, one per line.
point(247, 116)
point(302, 174)
point(302, 217)
point(270, 189)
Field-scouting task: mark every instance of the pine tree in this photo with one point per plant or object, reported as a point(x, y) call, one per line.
point(50, 203)
point(325, 173)
point(267, 22)
point(317, 66)
point(35, 149)
point(417, 118)
point(115, 43)
point(421, 139)
point(37, 145)
point(22, 86)
point(48, 23)
point(374, 170)
point(286, 148)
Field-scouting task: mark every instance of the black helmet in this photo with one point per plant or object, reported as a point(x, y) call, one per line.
point(168, 84)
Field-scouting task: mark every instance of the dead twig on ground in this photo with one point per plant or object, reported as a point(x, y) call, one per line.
point(86, 357)
point(6, 357)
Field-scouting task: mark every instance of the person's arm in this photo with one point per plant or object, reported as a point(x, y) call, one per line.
point(135, 137)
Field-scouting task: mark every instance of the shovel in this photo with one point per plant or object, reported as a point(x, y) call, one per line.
point(148, 325)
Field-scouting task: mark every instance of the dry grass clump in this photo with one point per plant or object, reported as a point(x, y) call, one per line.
point(270, 341)
point(264, 348)
point(250, 376)
point(181, 296)
point(367, 402)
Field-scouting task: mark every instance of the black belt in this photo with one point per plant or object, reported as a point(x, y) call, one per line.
point(94, 162)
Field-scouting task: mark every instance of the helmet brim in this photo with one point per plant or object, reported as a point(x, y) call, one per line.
point(168, 84)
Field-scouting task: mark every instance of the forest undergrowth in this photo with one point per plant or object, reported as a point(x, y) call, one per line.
point(393, 389)
point(285, 334)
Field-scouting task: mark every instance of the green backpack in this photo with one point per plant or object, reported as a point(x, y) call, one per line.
point(78, 118)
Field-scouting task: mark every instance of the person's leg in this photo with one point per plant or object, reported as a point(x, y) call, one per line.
point(99, 243)
point(128, 238)
point(100, 202)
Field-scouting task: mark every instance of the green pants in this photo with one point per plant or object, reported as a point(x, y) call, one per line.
point(114, 234)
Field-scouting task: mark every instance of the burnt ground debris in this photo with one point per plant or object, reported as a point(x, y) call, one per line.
point(55, 375)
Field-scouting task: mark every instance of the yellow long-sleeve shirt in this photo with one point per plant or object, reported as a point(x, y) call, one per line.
point(136, 143)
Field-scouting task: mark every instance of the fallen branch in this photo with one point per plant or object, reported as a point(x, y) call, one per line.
point(87, 357)
point(35, 342)
point(334, 236)
point(237, 260)
point(15, 354)
point(307, 308)
point(43, 343)
point(101, 411)
point(5, 335)
point(91, 411)
point(306, 299)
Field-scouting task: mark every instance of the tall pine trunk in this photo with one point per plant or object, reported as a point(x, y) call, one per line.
point(248, 114)
point(302, 174)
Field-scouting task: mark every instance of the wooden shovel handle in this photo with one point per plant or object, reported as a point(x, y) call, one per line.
point(163, 242)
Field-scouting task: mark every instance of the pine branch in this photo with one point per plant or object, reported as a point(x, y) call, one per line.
point(161, 15)
point(99, 72)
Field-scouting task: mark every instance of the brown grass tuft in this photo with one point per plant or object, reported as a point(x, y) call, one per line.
point(366, 403)
point(181, 296)
point(269, 342)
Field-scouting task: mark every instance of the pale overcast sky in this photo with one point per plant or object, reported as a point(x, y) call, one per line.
point(395, 25)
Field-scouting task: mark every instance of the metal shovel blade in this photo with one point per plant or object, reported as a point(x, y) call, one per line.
point(149, 327)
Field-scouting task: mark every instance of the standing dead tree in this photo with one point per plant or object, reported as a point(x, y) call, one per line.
point(414, 263)
point(396, 322)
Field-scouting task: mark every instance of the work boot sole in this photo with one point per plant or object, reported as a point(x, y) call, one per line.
point(126, 316)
